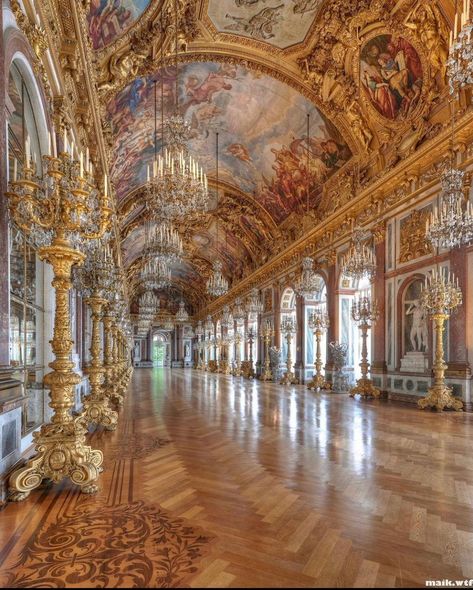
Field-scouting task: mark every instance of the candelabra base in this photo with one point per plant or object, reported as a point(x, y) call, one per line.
point(440, 397)
point(98, 411)
point(319, 382)
point(266, 375)
point(247, 370)
point(364, 388)
point(224, 368)
point(289, 379)
point(62, 452)
point(237, 372)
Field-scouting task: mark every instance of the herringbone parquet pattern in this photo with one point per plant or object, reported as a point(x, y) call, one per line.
point(246, 484)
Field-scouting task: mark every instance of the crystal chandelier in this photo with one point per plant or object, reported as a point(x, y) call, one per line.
point(148, 306)
point(199, 329)
point(308, 282)
point(209, 325)
point(217, 284)
point(254, 305)
point(182, 315)
point(451, 225)
point(227, 318)
point(163, 242)
point(460, 55)
point(177, 185)
point(155, 274)
point(441, 294)
point(238, 311)
point(360, 260)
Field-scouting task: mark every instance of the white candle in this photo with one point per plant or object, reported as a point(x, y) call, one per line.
point(105, 184)
point(49, 143)
point(87, 159)
point(15, 169)
point(147, 173)
point(27, 150)
point(81, 165)
point(64, 146)
point(54, 143)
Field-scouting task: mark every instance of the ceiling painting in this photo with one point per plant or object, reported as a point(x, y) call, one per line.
point(281, 23)
point(108, 19)
point(391, 74)
point(262, 133)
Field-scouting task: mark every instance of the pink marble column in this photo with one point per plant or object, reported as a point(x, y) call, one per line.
point(458, 364)
point(332, 308)
point(378, 357)
point(277, 315)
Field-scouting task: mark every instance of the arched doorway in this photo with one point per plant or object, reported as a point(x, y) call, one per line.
point(161, 350)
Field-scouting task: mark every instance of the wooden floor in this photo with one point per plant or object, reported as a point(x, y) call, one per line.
point(212, 481)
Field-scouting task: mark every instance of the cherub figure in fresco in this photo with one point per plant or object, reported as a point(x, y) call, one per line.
point(106, 19)
point(201, 92)
point(259, 26)
point(304, 6)
point(240, 151)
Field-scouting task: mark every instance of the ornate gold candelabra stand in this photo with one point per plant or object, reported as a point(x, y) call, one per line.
point(199, 332)
point(267, 333)
point(94, 278)
point(249, 371)
point(288, 328)
point(237, 370)
point(59, 207)
point(318, 322)
point(224, 365)
point(364, 313)
point(440, 297)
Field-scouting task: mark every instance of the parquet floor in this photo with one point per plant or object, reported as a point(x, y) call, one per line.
point(212, 481)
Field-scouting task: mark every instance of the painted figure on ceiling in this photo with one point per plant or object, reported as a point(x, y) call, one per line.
point(259, 26)
point(109, 18)
point(391, 72)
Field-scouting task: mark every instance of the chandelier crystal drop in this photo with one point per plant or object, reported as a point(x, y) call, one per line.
point(460, 55)
point(309, 283)
point(155, 274)
point(360, 260)
point(164, 243)
point(182, 315)
point(217, 285)
point(451, 224)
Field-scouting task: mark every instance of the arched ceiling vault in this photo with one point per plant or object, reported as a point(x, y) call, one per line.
point(253, 71)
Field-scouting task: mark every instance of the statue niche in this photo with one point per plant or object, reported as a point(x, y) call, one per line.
point(415, 330)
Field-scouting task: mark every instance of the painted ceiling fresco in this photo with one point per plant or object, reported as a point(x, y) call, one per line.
point(262, 126)
point(279, 22)
point(108, 19)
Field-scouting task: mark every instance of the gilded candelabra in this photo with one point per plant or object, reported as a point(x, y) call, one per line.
point(267, 334)
point(199, 332)
point(94, 278)
point(223, 363)
point(237, 369)
point(59, 207)
point(288, 328)
point(249, 368)
point(364, 313)
point(440, 297)
point(318, 322)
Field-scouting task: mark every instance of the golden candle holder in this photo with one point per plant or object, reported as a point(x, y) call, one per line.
point(249, 371)
point(267, 334)
point(54, 208)
point(440, 297)
point(288, 327)
point(237, 369)
point(364, 313)
point(318, 322)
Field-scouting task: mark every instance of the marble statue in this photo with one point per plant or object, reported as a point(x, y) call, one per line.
point(419, 334)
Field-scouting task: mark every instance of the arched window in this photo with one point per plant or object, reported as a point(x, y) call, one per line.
point(26, 118)
point(349, 331)
point(320, 303)
point(288, 310)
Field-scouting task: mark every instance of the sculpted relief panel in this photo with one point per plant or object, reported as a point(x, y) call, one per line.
point(279, 22)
